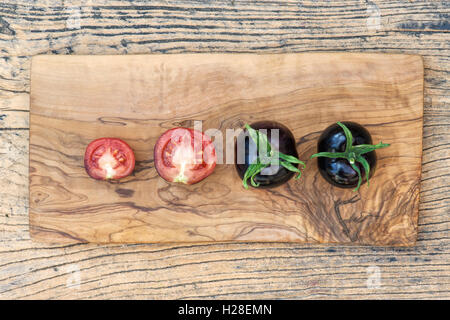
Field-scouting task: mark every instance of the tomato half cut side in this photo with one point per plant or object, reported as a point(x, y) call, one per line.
point(109, 158)
point(184, 155)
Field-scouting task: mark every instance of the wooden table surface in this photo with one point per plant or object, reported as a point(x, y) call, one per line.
point(243, 270)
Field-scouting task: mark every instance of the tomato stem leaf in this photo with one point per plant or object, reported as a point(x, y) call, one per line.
point(355, 167)
point(366, 166)
point(291, 159)
point(248, 173)
point(366, 148)
point(330, 155)
point(292, 168)
point(348, 136)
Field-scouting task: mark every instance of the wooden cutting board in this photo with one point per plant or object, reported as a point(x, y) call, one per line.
point(75, 99)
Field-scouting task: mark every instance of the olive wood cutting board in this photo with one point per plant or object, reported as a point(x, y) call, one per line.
point(76, 99)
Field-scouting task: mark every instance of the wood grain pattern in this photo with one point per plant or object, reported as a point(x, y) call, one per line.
point(31, 270)
point(77, 99)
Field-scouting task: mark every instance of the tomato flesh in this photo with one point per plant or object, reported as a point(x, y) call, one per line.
point(184, 155)
point(109, 158)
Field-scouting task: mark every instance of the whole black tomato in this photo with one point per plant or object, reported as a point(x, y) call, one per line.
point(338, 171)
point(273, 175)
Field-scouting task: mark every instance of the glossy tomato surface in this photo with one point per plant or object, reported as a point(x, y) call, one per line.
point(273, 175)
point(338, 171)
point(184, 155)
point(109, 158)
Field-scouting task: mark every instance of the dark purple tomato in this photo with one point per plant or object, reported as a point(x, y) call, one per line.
point(273, 175)
point(338, 171)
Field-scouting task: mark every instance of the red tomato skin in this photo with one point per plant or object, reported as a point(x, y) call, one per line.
point(96, 173)
point(193, 177)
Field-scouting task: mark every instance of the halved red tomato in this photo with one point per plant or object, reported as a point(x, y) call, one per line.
point(184, 155)
point(108, 158)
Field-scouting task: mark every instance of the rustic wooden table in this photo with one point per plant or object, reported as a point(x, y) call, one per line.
point(242, 270)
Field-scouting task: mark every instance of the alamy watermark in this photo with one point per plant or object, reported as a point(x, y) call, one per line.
point(231, 148)
point(74, 276)
point(373, 277)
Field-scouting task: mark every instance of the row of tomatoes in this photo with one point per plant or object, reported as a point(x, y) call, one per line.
point(180, 155)
point(188, 156)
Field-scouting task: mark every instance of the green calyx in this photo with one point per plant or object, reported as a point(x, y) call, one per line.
point(353, 154)
point(266, 157)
